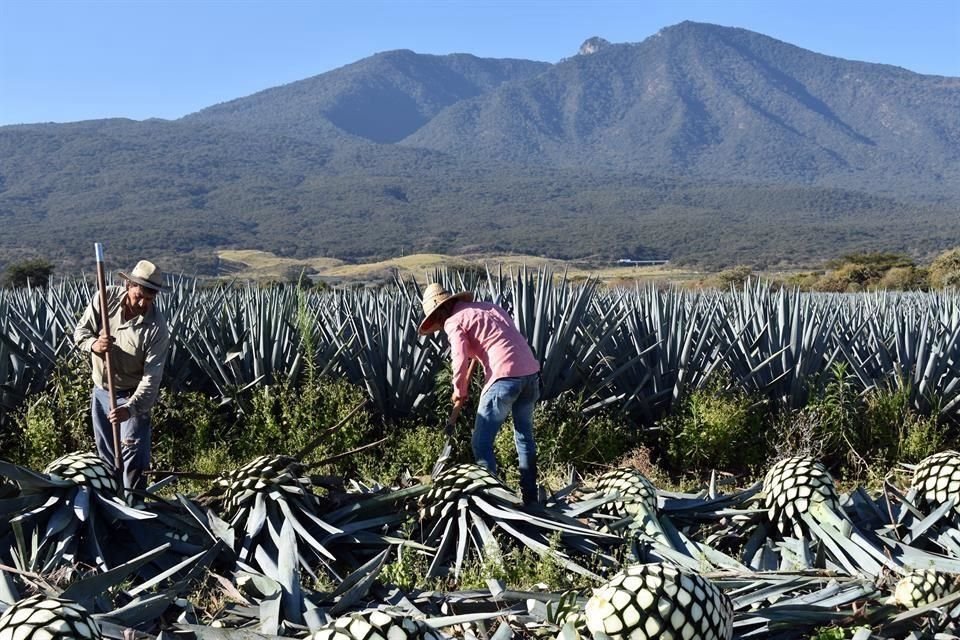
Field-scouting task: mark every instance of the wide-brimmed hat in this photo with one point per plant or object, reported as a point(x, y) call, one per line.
point(146, 274)
point(434, 297)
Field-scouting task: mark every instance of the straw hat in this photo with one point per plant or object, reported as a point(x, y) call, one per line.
point(146, 274)
point(434, 297)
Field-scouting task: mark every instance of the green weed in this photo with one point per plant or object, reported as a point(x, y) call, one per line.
point(715, 428)
point(57, 420)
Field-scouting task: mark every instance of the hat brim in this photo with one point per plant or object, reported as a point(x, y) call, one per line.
point(143, 283)
point(429, 324)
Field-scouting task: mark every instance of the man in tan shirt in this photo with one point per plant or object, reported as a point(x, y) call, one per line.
point(138, 344)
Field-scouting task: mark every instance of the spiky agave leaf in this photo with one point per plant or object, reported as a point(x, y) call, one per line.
point(789, 488)
point(377, 625)
point(659, 602)
point(937, 480)
point(85, 469)
point(41, 617)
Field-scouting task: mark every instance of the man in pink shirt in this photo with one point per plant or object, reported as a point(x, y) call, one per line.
point(483, 331)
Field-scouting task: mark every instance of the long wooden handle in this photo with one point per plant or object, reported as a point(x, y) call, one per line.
point(105, 331)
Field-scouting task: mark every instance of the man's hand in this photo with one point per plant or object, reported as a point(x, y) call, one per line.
point(118, 415)
point(102, 344)
point(456, 400)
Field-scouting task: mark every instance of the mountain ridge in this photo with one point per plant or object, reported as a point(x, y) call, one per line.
point(665, 113)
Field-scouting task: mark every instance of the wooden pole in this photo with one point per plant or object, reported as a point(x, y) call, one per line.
point(105, 331)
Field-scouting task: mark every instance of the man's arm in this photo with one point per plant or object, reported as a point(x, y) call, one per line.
point(459, 362)
point(87, 330)
point(148, 388)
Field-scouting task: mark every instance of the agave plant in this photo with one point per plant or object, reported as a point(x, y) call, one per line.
point(779, 344)
point(936, 481)
point(34, 333)
point(381, 350)
point(245, 339)
point(793, 605)
point(664, 346)
point(800, 523)
point(921, 587)
point(104, 604)
point(565, 330)
point(629, 506)
point(270, 504)
point(907, 341)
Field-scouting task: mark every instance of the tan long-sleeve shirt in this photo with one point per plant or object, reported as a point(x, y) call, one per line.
point(138, 353)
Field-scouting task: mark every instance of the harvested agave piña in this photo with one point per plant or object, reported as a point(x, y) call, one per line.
point(377, 625)
point(457, 481)
point(791, 486)
point(85, 469)
point(467, 509)
point(43, 618)
point(263, 475)
point(920, 588)
point(659, 602)
point(637, 495)
point(937, 480)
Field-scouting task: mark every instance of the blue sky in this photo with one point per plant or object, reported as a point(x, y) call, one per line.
point(68, 60)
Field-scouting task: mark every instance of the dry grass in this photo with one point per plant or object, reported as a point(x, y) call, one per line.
point(261, 265)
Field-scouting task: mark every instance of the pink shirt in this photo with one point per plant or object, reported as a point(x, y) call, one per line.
point(484, 331)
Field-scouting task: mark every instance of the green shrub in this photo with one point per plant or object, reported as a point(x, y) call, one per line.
point(413, 448)
point(904, 279)
point(34, 273)
point(920, 437)
point(855, 431)
point(56, 421)
point(212, 460)
point(838, 407)
point(945, 269)
point(835, 428)
point(567, 435)
point(900, 433)
point(733, 277)
point(408, 571)
point(863, 271)
point(715, 428)
point(187, 425)
point(283, 419)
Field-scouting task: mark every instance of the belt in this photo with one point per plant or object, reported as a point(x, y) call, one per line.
point(119, 392)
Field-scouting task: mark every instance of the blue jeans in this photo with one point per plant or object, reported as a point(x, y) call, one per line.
point(134, 438)
point(506, 395)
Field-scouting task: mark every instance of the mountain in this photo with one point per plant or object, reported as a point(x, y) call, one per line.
point(382, 99)
point(704, 101)
point(702, 144)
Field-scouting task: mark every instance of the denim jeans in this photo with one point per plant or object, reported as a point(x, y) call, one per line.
point(134, 438)
point(506, 395)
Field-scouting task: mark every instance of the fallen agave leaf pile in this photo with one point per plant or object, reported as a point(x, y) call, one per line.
point(287, 555)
